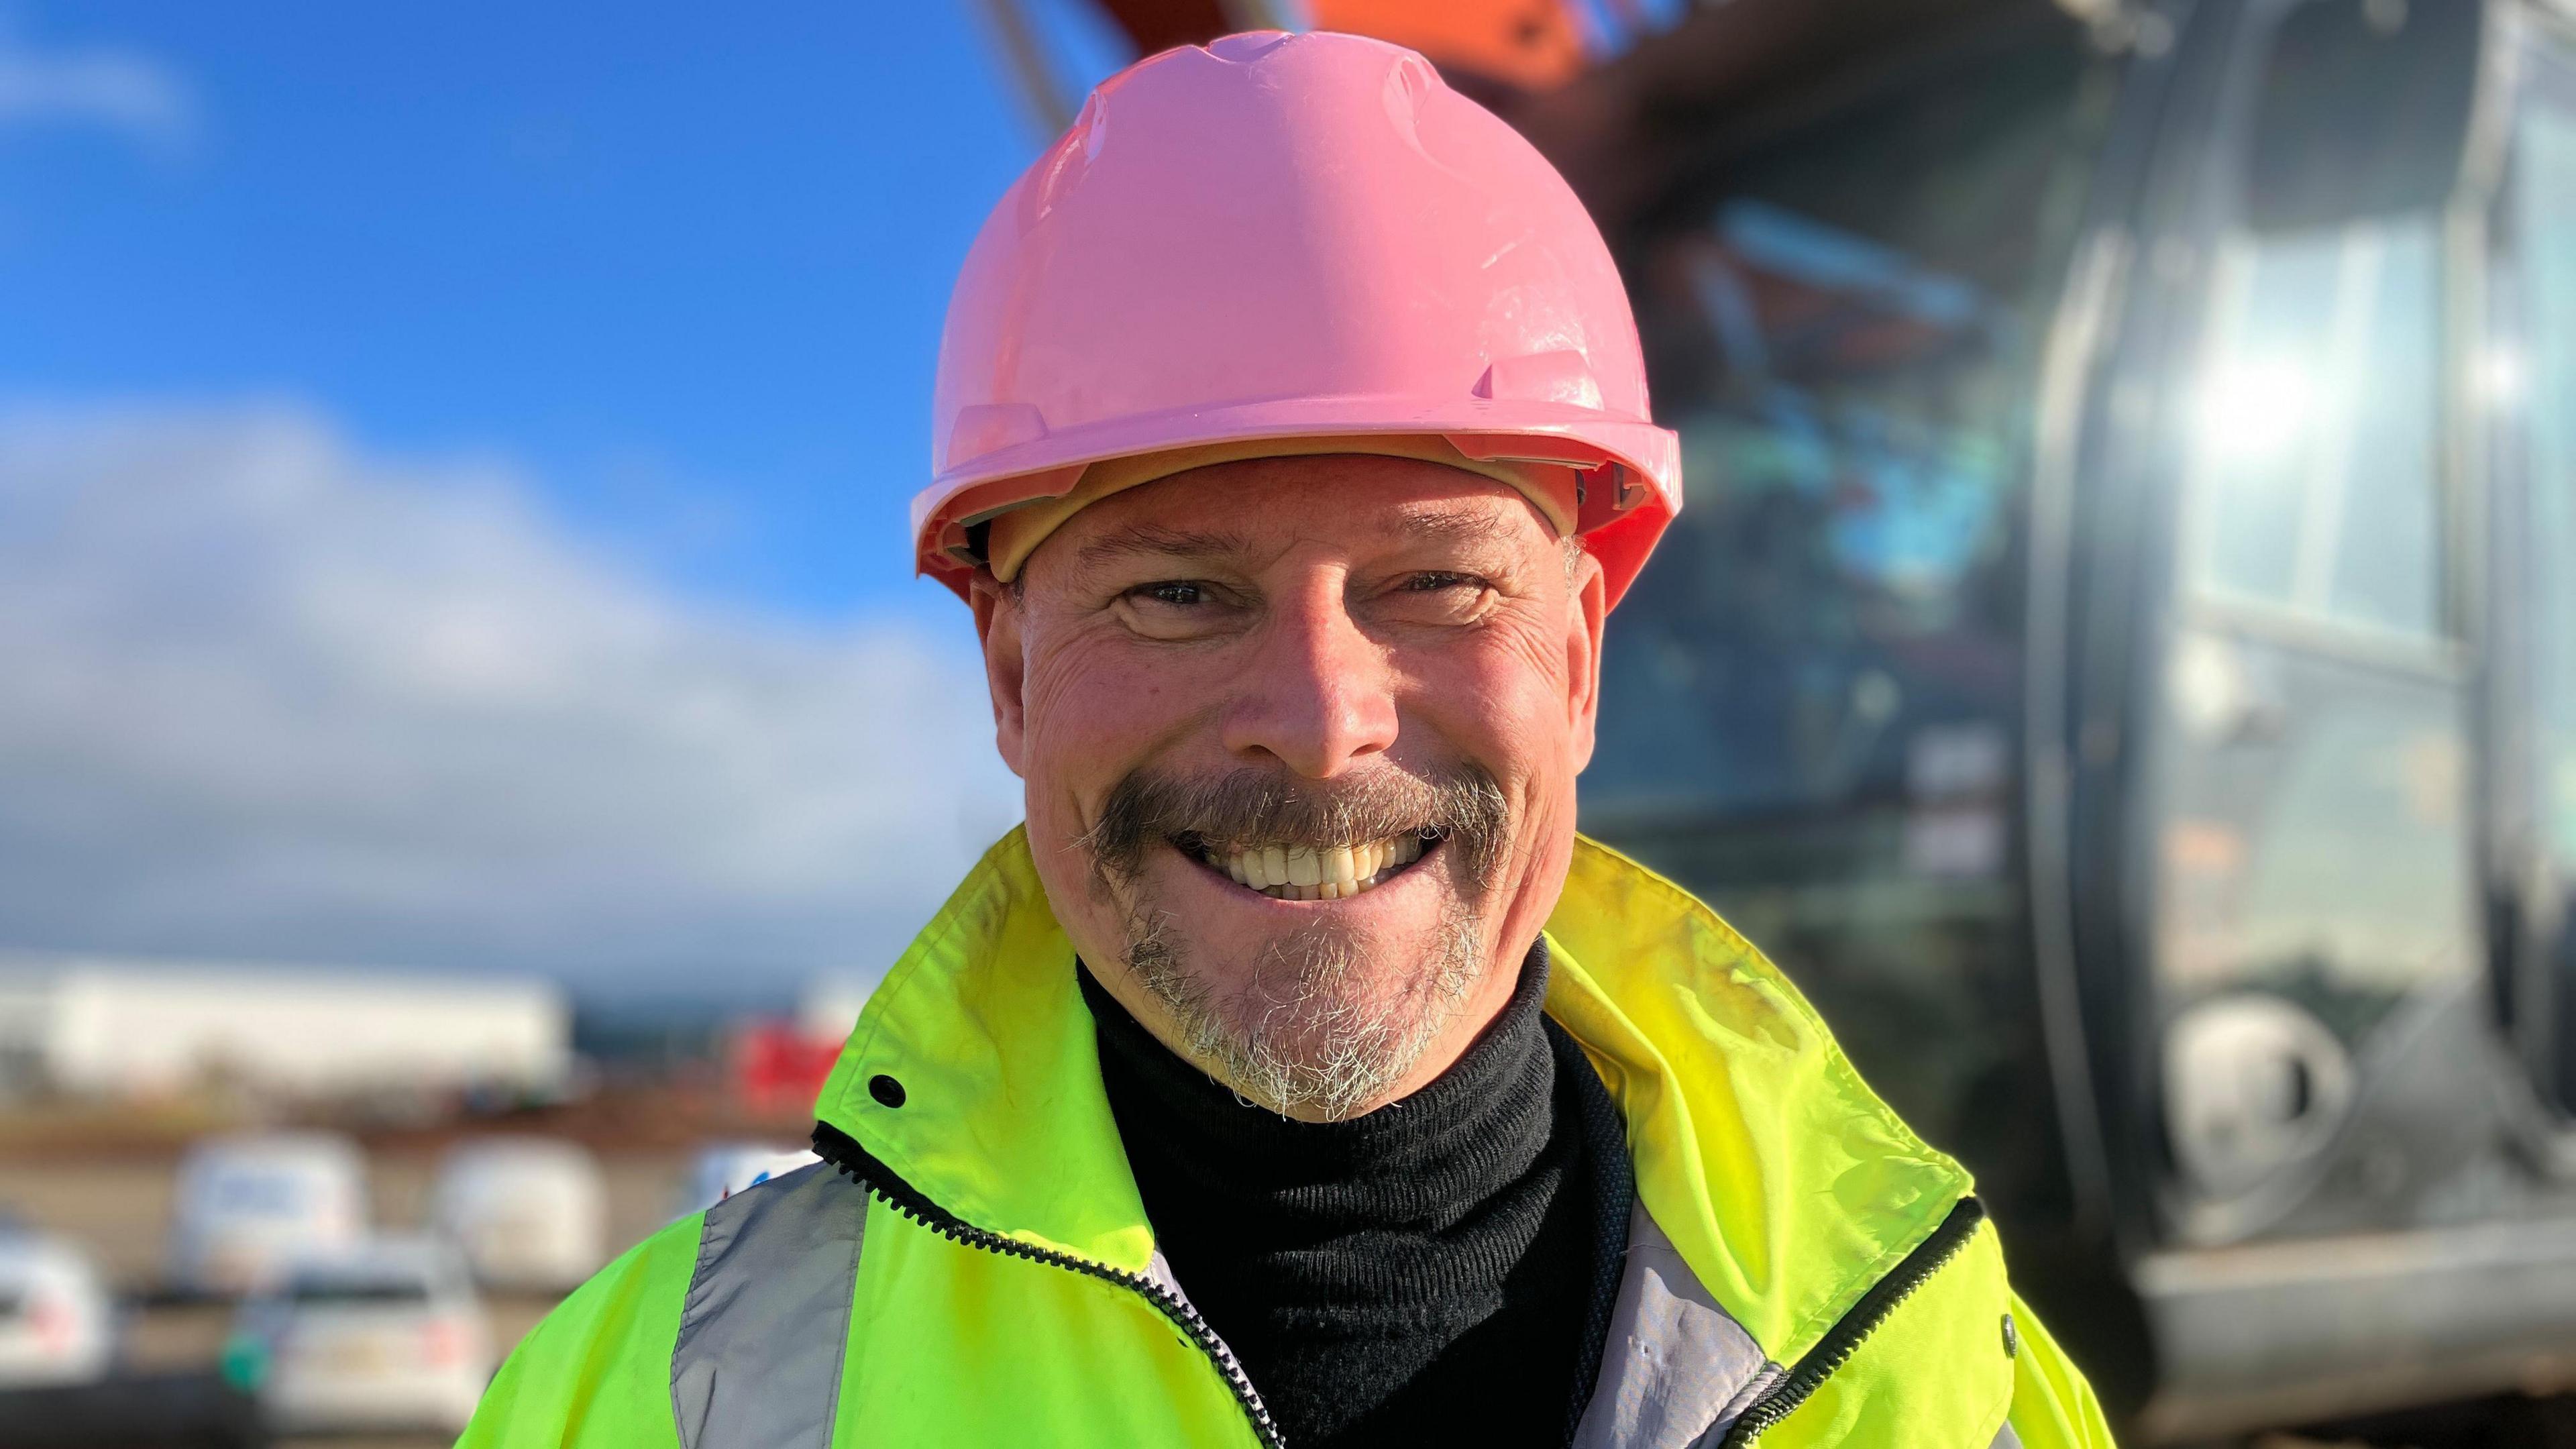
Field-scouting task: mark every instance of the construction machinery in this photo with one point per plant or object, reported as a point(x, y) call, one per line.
point(2119, 648)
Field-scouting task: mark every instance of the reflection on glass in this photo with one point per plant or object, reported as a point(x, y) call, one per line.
point(2314, 860)
point(2316, 843)
point(1810, 697)
point(2315, 474)
point(1845, 332)
point(2325, 863)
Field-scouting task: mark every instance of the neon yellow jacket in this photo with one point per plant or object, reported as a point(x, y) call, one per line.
point(972, 1265)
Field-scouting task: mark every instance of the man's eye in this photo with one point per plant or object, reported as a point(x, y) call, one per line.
point(1432, 583)
point(1436, 597)
point(1181, 609)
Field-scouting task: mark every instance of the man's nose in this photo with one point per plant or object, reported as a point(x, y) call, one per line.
point(1318, 694)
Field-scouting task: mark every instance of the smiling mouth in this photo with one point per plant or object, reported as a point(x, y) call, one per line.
point(1311, 873)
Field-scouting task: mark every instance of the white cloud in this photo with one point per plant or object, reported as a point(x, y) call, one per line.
point(118, 89)
point(263, 695)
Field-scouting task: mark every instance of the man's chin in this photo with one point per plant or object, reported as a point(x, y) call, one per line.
point(1316, 1066)
point(1313, 1022)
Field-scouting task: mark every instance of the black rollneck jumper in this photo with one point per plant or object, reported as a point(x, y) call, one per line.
point(1438, 1271)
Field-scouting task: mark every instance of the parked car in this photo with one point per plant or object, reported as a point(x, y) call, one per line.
point(246, 1205)
point(725, 1168)
point(57, 1318)
point(527, 1212)
point(386, 1335)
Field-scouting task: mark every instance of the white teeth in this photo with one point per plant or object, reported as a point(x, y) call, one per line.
point(1332, 873)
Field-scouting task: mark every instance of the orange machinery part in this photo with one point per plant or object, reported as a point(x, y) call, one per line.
point(1528, 44)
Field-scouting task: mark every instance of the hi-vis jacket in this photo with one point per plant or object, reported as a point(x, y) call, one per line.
point(971, 1264)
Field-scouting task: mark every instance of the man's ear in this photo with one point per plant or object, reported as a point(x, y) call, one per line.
point(997, 627)
point(1587, 614)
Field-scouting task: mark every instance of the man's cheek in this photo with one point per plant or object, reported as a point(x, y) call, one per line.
point(1093, 738)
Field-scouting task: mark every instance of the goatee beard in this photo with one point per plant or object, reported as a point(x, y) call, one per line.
point(1312, 1028)
point(1311, 1031)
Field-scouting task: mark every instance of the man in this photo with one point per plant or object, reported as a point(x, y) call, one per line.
point(1297, 1075)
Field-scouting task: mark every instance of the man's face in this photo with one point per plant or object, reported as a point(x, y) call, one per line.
point(1374, 677)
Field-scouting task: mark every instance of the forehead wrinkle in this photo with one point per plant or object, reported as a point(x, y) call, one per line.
point(1462, 525)
point(1455, 526)
point(1153, 540)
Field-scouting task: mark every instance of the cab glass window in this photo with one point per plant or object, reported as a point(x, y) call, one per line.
point(2315, 471)
point(1843, 322)
point(1810, 698)
point(2315, 946)
point(2315, 783)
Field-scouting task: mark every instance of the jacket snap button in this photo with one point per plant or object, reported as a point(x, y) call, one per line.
point(2012, 1335)
point(889, 1093)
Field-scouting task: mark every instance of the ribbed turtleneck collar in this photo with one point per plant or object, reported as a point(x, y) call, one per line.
point(1414, 1163)
point(1439, 1270)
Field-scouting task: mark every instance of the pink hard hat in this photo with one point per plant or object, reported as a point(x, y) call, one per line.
point(1288, 237)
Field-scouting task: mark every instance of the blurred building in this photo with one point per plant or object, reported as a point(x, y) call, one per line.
point(828, 1010)
point(120, 1027)
point(776, 1065)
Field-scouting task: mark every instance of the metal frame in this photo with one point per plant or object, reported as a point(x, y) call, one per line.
point(2515, 863)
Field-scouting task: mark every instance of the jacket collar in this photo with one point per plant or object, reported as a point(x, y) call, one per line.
point(1783, 1182)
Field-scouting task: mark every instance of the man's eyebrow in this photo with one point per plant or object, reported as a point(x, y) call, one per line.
point(1454, 525)
point(1466, 526)
point(1156, 541)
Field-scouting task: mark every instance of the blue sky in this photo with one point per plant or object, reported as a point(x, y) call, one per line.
point(684, 266)
point(453, 467)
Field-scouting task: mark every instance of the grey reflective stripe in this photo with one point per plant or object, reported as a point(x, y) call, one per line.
point(767, 1321)
point(1678, 1369)
point(2005, 1438)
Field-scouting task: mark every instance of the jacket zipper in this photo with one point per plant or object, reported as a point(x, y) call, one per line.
point(881, 1182)
point(1844, 1338)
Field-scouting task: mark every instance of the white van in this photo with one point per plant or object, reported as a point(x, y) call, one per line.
point(246, 1205)
point(527, 1212)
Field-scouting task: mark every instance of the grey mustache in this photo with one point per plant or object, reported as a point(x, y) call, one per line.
point(1460, 804)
